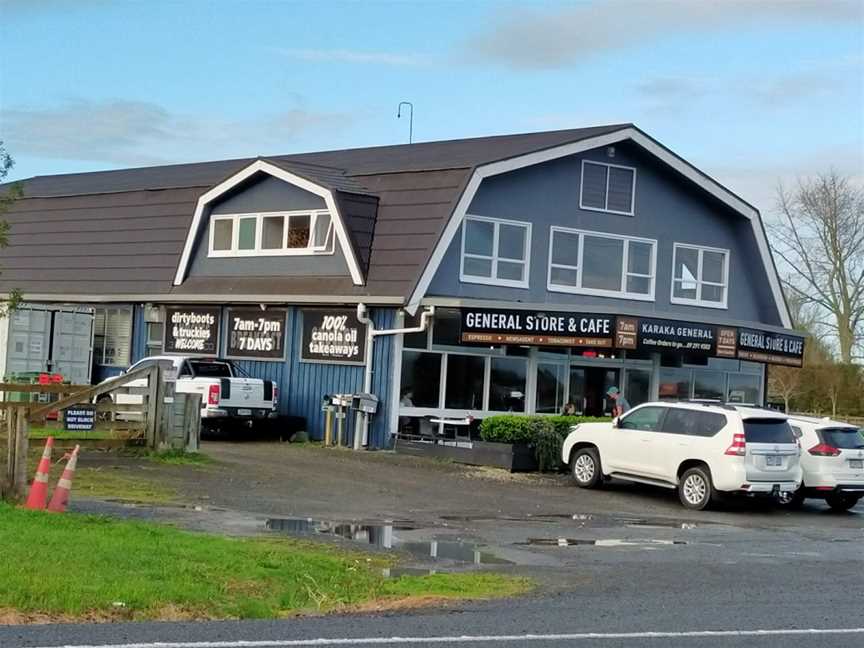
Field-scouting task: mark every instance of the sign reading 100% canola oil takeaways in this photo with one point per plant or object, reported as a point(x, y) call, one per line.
point(333, 336)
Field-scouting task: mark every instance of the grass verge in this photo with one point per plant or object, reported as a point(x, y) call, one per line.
point(180, 458)
point(60, 433)
point(108, 482)
point(74, 567)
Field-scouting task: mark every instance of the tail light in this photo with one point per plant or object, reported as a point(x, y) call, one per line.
point(824, 450)
point(738, 447)
point(213, 395)
point(275, 395)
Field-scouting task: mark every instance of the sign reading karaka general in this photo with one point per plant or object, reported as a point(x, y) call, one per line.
point(776, 348)
point(667, 335)
point(253, 333)
point(332, 336)
point(493, 326)
point(192, 330)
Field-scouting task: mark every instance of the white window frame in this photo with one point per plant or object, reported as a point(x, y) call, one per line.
point(606, 210)
point(327, 247)
point(123, 343)
point(495, 258)
point(701, 249)
point(625, 273)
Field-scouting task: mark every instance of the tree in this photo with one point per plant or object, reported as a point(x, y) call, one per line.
point(784, 382)
point(8, 194)
point(820, 236)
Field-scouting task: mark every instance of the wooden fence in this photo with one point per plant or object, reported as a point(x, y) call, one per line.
point(18, 415)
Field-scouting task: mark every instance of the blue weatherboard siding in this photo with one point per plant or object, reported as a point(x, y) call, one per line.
point(668, 209)
point(302, 384)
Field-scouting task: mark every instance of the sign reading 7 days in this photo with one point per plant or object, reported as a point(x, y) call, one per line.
point(253, 333)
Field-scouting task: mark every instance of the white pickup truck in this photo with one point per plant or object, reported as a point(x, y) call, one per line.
point(226, 396)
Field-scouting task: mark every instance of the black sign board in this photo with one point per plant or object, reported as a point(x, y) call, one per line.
point(81, 418)
point(253, 333)
point(332, 336)
point(684, 337)
point(494, 326)
point(775, 348)
point(192, 330)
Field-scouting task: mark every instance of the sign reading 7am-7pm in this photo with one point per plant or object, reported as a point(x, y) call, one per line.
point(253, 333)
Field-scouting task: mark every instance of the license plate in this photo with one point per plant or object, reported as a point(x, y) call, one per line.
point(773, 460)
point(856, 464)
point(244, 412)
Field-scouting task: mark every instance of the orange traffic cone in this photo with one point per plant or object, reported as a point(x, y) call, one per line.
point(38, 496)
point(60, 498)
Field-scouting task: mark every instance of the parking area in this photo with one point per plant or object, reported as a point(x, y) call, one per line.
point(287, 480)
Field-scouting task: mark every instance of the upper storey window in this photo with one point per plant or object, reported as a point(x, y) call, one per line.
point(606, 265)
point(700, 276)
point(495, 252)
point(271, 234)
point(608, 188)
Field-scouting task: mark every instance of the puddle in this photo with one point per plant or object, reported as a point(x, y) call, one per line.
point(607, 542)
point(584, 520)
point(384, 536)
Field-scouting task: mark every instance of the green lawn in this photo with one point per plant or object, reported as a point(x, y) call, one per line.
point(106, 482)
point(86, 567)
point(60, 433)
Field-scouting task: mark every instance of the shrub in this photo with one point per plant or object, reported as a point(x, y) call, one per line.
point(512, 428)
point(547, 445)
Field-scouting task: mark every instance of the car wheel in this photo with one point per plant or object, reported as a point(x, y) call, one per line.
point(695, 489)
point(839, 502)
point(585, 468)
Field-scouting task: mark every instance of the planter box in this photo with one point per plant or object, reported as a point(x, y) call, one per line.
point(513, 457)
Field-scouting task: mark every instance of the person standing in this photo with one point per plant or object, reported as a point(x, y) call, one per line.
point(620, 406)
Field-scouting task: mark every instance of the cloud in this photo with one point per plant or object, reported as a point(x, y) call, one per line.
point(127, 132)
point(531, 39)
point(794, 87)
point(353, 57)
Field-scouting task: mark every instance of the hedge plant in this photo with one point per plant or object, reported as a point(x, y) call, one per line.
point(545, 434)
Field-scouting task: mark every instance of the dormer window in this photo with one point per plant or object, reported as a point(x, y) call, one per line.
point(271, 234)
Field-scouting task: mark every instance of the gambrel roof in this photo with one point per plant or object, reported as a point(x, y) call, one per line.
point(124, 234)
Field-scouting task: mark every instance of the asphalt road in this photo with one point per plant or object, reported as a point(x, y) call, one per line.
point(625, 566)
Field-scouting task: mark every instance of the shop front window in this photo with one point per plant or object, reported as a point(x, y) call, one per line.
point(112, 336)
point(507, 384)
point(709, 385)
point(550, 388)
point(421, 379)
point(446, 327)
point(674, 383)
point(745, 388)
point(638, 387)
point(465, 378)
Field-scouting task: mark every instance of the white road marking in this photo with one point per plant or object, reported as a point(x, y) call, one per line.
point(390, 641)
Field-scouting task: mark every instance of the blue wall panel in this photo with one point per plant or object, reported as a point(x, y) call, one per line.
point(303, 384)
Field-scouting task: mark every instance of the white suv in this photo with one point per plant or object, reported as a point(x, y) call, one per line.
point(700, 449)
point(832, 458)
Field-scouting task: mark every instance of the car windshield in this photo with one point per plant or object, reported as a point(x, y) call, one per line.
point(203, 369)
point(843, 438)
point(768, 430)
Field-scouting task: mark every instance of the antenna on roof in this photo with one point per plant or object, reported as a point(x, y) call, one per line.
point(410, 118)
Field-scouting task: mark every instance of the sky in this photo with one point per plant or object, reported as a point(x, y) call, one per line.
point(753, 93)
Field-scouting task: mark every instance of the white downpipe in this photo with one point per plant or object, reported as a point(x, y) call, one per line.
point(361, 421)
